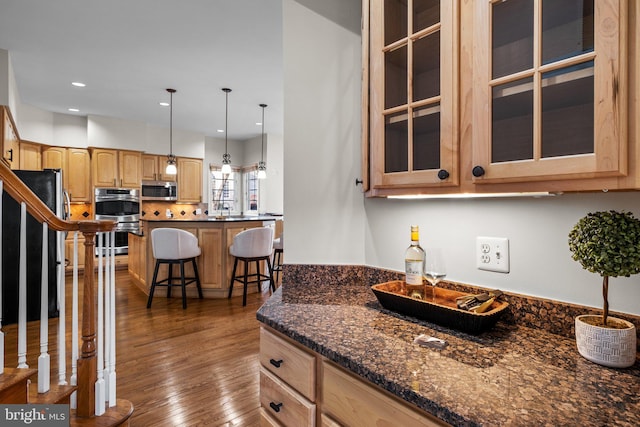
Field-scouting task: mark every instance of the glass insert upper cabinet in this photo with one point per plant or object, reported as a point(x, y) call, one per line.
point(412, 93)
point(548, 90)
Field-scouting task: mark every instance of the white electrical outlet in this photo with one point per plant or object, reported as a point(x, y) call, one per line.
point(492, 254)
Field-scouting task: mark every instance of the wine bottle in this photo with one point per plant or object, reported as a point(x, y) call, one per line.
point(414, 259)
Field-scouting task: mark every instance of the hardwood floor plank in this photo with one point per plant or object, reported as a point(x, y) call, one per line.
point(193, 367)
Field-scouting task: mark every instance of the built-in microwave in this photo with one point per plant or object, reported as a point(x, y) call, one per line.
point(159, 190)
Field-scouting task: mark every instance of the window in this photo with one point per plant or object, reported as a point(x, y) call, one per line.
point(223, 192)
point(236, 193)
point(251, 191)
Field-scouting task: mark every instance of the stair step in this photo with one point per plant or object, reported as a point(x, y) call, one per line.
point(117, 415)
point(56, 394)
point(13, 384)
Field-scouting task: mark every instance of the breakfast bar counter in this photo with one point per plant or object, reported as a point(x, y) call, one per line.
point(215, 264)
point(510, 375)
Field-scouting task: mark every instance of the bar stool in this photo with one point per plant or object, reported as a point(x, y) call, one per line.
point(252, 245)
point(173, 246)
point(278, 249)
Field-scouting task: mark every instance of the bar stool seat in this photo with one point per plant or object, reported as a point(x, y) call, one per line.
point(278, 250)
point(252, 245)
point(173, 246)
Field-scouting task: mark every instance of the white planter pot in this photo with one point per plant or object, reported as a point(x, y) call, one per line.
point(615, 348)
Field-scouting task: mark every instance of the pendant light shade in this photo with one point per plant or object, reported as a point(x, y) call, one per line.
point(262, 167)
point(171, 159)
point(226, 157)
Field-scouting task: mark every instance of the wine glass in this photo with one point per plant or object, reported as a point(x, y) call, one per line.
point(434, 268)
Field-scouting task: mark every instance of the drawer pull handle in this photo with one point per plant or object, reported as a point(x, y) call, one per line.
point(276, 363)
point(275, 406)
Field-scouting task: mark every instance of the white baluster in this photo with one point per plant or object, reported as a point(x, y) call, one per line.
point(99, 386)
point(22, 290)
point(62, 310)
point(74, 323)
point(1, 287)
point(112, 328)
point(44, 362)
point(107, 311)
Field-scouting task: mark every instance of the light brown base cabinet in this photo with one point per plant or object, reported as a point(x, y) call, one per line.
point(215, 265)
point(299, 387)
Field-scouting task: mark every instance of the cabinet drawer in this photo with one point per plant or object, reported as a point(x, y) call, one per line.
point(352, 402)
point(294, 366)
point(267, 420)
point(284, 404)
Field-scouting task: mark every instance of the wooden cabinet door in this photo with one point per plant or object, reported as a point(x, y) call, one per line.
point(10, 141)
point(210, 262)
point(104, 167)
point(77, 174)
point(149, 167)
point(30, 156)
point(189, 180)
point(56, 158)
point(129, 169)
point(549, 91)
point(413, 71)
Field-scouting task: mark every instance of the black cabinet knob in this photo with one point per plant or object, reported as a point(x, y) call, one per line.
point(477, 171)
point(275, 363)
point(443, 174)
point(275, 406)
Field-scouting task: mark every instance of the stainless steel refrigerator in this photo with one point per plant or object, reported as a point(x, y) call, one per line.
point(47, 185)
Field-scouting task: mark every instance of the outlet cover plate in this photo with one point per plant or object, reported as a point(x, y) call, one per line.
point(492, 254)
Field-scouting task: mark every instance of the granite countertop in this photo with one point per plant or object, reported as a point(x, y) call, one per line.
point(511, 375)
point(215, 219)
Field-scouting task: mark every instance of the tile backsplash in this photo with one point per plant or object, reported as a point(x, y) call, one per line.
point(159, 210)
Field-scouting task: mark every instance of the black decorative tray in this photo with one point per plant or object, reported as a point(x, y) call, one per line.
point(444, 311)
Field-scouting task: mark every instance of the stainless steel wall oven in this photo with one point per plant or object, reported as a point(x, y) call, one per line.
point(123, 206)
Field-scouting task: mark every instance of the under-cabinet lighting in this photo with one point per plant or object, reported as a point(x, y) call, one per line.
point(472, 195)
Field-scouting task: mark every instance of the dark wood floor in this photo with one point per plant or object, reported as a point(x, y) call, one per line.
point(193, 367)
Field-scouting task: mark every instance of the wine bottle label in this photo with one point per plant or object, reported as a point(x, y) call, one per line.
point(413, 271)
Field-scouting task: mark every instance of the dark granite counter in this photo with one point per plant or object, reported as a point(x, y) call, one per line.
point(215, 219)
point(511, 375)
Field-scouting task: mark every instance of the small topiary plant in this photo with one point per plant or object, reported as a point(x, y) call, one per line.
point(607, 243)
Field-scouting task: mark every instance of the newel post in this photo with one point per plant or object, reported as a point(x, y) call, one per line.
point(87, 364)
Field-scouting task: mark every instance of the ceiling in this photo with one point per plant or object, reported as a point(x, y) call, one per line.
point(128, 52)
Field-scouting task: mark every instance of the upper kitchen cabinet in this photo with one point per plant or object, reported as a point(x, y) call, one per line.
point(549, 90)
point(413, 78)
point(30, 156)
point(116, 168)
point(75, 164)
point(10, 140)
point(189, 180)
point(153, 168)
point(500, 96)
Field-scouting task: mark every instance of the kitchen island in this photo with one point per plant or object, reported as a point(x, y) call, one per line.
point(511, 375)
point(215, 265)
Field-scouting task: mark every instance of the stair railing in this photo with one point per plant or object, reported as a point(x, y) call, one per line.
point(92, 393)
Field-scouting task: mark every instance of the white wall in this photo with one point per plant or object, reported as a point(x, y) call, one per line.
point(8, 87)
point(272, 190)
point(324, 212)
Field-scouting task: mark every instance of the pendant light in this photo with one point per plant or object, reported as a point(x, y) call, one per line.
point(226, 157)
point(262, 168)
point(171, 159)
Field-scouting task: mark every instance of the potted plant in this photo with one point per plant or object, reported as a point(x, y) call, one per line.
point(607, 243)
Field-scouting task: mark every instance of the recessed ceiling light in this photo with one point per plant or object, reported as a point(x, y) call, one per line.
point(78, 84)
point(74, 110)
point(258, 123)
point(164, 104)
point(220, 130)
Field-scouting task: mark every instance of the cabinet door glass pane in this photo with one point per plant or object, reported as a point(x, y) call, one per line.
point(425, 14)
point(567, 111)
point(395, 77)
point(426, 67)
point(512, 121)
point(395, 20)
point(396, 146)
point(512, 37)
point(426, 138)
point(567, 29)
